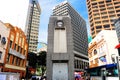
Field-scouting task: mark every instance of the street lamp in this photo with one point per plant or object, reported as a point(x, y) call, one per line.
point(113, 56)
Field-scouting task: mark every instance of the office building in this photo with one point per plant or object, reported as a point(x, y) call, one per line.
point(13, 49)
point(102, 14)
point(32, 25)
point(67, 43)
point(117, 28)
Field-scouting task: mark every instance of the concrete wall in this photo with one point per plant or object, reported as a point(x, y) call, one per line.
point(60, 55)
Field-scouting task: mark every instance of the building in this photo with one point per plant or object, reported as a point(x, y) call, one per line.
point(32, 25)
point(117, 28)
point(4, 33)
point(67, 36)
point(102, 48)
point(102, 14)
point(15, 49)
point(42, 47)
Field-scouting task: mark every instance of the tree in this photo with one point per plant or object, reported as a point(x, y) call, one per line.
point(32, 59)
point(41, 61)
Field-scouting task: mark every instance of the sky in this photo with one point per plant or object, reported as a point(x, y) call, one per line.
point(46, 11)
point(15, 12)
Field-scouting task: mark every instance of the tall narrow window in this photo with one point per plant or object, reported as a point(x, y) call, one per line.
point(10, 43)
point(8, 58)
point(15, 46)
point(0, 37)
point(0, 54)
point(13, 60)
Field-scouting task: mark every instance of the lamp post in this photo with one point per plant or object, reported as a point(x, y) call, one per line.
point(118, 66)
point(113, 56)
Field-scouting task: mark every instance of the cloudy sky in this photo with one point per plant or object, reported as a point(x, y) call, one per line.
point(15, 12)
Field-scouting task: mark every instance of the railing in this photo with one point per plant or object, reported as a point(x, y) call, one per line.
point(15, 53)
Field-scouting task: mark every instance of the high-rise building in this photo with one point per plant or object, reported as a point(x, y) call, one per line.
point(102, 14)
point(79, 30)
point(67, 36)
point(117, 28)
point(32, 25)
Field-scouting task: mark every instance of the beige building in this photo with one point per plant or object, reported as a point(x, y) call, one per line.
point(102, 14)
point(32, 25)
point(102, 48)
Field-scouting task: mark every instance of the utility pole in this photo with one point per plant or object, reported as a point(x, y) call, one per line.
point(118, 66)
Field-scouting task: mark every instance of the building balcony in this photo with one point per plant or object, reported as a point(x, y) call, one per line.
point(15, 53)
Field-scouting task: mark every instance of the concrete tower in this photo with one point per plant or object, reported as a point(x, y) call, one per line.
point(32, 25)
point(102, 14)
point(67, 43)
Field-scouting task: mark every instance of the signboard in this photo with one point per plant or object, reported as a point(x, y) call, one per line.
point(2, 77)
point(9, 76)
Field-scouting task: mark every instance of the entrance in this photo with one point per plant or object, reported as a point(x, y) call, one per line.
point(60, 71)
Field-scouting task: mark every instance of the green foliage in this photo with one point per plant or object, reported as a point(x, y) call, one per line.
point(41, 58)
point(32, 59)
point(41, 62)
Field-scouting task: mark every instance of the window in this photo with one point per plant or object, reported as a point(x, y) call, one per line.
point(15, 46)
point(10, 43)
point(106, 26)
point(95, 52)
point(3, 41)
point(98, 27)
point(21, 50)
point(0, 37)
point(0, 54)
point(8, 58)
point(13, 60)
point(18, 48)
point(16, 61)
point(24, 52)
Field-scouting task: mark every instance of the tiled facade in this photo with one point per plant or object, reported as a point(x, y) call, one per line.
point(16, 50)
point(102, 14)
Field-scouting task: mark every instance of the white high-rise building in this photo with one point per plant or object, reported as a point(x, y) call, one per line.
point(32, 25)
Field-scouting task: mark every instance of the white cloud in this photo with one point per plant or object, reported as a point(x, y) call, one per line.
point(14, 12)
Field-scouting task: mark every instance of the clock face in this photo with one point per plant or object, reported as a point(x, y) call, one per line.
point(59, 23)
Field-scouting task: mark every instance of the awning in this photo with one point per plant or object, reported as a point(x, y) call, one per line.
point(111, 65)
point(103, 66)
point(117, 46)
